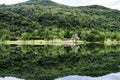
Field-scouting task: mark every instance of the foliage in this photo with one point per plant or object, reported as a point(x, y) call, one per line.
point(4, 35)
point(25, 36)
point(53, 20)
point(50, 62)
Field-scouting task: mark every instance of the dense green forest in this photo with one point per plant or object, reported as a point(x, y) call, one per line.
point(50, 62)
point(46, 20)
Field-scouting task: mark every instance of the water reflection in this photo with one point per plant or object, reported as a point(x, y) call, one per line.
point(10, 78)
point(113, 76)
point(45, 62)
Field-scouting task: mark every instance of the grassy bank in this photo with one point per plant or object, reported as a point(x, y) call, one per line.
point(43, 42)
point(57, 42)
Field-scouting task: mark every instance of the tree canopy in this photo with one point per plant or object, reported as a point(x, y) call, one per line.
point(51, 18)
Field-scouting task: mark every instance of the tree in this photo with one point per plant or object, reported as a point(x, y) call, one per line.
point(75, 37)
point(67, 34)
point(61, 34)
point(5, 35)
point(35, 35)
point(25, 36)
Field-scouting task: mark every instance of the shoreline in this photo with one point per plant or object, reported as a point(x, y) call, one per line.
point(43, 42)
point(56, 42)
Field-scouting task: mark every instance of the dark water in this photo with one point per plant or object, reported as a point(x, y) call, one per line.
point(83, 62)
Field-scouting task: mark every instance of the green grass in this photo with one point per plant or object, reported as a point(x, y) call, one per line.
point(43, 42)
point(57, 42)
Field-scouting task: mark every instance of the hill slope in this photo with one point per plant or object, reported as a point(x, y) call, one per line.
point(42, 17)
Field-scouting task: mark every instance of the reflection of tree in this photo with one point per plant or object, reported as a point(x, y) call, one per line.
point(49, 62)
point(4, 50)
point(75, 49)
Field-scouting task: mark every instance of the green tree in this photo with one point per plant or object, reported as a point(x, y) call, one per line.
point(35, 34)
point(75, 37)
point(67, 34)
point(25, 36)
point(5, 35)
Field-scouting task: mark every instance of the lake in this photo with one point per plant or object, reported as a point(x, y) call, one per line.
point(64, 62)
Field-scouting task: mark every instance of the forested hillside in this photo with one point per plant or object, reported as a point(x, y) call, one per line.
point(44, 19)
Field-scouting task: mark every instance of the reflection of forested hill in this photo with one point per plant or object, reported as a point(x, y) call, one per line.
point(38, 18)
point(49, 62)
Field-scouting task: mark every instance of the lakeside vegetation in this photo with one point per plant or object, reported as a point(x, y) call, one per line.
point(47, 20)
point(83, 36)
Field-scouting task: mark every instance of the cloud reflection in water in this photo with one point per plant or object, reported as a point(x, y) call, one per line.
point(10, 78)
point(113, 76)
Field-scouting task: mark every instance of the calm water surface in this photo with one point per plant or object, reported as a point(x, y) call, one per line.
point(83, 62)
